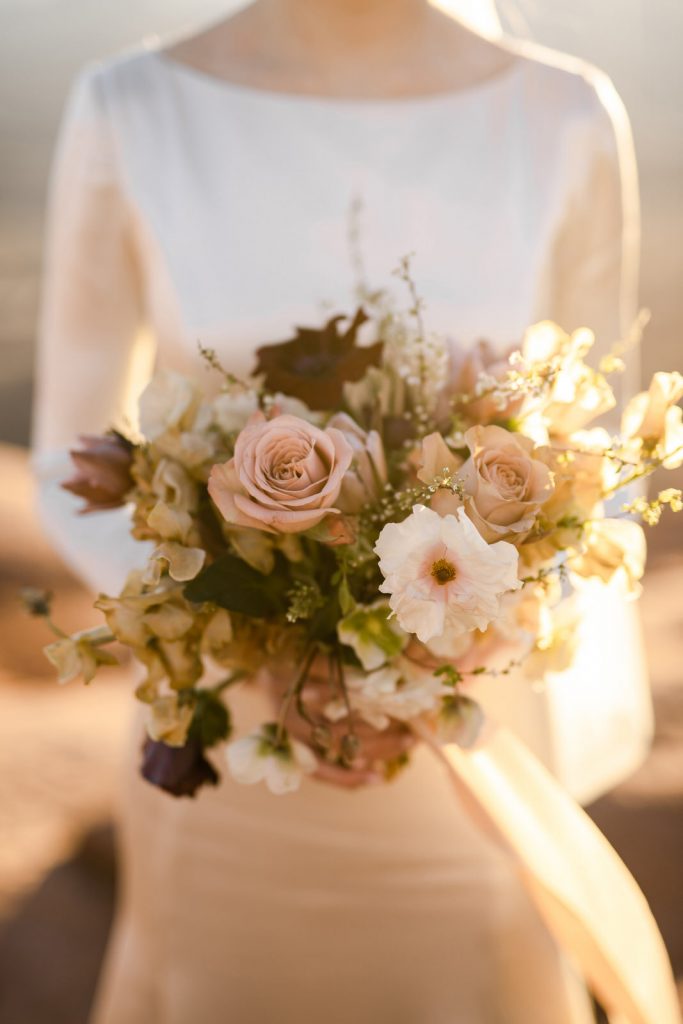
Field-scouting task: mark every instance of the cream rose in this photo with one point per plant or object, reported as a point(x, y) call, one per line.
point(285, 476)
point(505, 485)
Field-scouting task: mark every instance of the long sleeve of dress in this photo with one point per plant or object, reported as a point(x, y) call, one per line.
point(596, 256)
point(592, 724)
point(91, 318)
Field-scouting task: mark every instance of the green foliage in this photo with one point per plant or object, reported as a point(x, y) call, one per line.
point(211, 720)
point(304, 599)
point(346, 601)
point(323, 625)
point(232, 584)
point(449, 675)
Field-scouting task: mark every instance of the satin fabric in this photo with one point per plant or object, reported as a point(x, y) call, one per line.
point(584, 892)
point(186, 209)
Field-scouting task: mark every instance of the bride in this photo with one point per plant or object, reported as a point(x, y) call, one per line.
point(201, 192)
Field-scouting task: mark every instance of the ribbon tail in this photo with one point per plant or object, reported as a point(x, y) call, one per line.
point(585, 894)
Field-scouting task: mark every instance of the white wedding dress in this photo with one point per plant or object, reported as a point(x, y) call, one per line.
point(188, 209)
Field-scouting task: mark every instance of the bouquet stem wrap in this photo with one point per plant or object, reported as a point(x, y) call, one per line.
point(585, 894)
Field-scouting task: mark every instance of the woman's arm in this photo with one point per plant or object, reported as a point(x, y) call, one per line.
point(90, 326)
point(596, 256)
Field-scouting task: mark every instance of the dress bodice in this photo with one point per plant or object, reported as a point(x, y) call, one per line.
point(243, 198)
point(236, 201)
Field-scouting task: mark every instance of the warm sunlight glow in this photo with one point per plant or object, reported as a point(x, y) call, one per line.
point(480, 15)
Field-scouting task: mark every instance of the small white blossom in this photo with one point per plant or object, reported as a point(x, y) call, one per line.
point(460, 721)
point(402, 692)
point(262, 757)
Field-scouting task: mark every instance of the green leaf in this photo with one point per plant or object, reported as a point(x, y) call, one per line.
point(231, 583)
point(323, 625)
point(346, 601)
point(211, 721)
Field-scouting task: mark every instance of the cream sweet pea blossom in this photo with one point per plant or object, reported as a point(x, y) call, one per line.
point(653, 418)
point(167, 403)
point(441, 575)
point(169, 720)
point(174, 418)
point(80, 654)
point(578, 394)
point(614, 550)
point(259, 757)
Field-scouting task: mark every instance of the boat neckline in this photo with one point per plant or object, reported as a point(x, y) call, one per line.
point(281, 96)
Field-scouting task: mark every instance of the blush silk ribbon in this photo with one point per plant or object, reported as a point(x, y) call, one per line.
point(585, 894)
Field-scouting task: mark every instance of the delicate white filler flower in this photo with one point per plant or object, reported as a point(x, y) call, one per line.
point(260, 757)
point(400, 692)
point(442, 575)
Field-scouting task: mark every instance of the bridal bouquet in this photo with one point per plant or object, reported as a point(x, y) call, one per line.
point(363, 526)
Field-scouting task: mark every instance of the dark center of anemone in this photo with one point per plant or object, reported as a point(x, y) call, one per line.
point(443, 571)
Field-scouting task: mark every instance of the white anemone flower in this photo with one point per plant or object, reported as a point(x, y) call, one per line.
point(261, 757)
point(441, 575)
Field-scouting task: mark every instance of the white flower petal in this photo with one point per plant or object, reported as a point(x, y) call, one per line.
point(246, 762)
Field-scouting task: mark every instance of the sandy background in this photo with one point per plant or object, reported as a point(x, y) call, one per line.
point(60, 749)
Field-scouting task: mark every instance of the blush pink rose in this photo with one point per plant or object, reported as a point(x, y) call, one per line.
point(285, 475)
point(505, 482)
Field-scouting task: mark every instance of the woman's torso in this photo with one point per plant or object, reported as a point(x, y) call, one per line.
point(241, 200)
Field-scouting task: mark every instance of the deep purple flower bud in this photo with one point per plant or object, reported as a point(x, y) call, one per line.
point(180, 771)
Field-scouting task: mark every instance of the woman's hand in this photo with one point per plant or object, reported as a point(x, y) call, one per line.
point(350, 752)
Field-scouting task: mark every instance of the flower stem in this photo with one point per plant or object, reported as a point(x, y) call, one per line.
point(292, 691)
point(234, 678)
